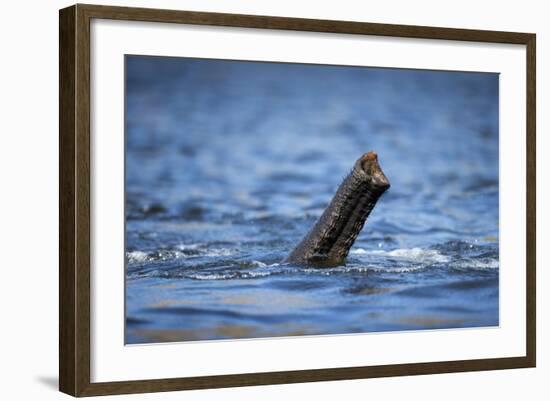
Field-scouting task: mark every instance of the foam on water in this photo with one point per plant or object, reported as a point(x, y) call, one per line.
point(205, 263)
point(412, 254)
point(477, 264)
point(227, 276)
point(181, 252)
point(137, 257)
point(362, 262)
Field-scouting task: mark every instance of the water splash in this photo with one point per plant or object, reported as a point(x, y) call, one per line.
point(411, 254)
point(208, 263)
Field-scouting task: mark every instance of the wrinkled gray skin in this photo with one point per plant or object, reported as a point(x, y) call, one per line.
point(329, 241)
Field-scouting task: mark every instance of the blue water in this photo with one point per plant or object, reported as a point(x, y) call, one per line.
point(229, 164)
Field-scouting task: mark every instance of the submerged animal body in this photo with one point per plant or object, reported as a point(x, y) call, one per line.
point(329, 241)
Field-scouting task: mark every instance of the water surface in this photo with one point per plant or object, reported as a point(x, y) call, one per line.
point(229, 164)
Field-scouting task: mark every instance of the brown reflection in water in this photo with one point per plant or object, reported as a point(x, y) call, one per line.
point(431, 321)
point(217, 333)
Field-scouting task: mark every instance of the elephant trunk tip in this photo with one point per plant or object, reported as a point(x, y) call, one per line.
point(327, 244)
point(369, 165)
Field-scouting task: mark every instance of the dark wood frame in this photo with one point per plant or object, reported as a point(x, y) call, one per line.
point(74, 199)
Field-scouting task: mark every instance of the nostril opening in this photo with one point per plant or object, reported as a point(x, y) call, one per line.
point(370, 166)
point(368, 160)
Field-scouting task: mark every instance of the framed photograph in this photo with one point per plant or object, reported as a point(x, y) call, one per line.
point(250, 200)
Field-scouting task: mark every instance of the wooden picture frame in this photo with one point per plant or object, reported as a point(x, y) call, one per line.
point(75, 207)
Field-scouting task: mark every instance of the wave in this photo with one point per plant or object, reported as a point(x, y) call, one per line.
point(411, 254)
point(421, 258)
point(266, 270)
point(137, 257)
point(207, 262)
point(477, 264)
point(180, 252)
point(226, 276)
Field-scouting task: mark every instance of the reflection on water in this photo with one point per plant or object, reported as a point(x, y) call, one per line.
point(228, 164)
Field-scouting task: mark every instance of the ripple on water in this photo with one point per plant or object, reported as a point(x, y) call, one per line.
point(214, 204)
